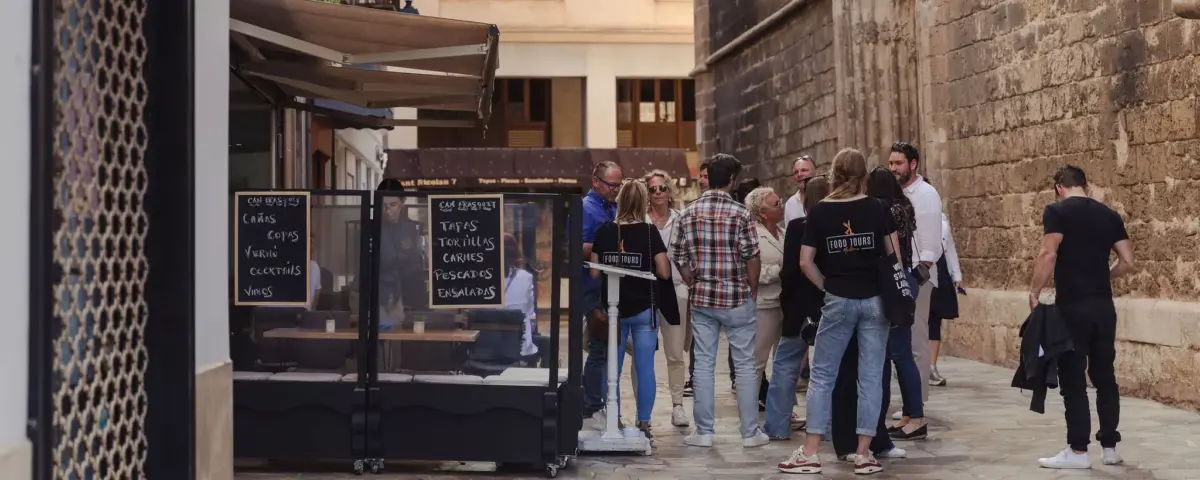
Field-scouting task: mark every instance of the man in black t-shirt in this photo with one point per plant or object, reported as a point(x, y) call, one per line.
point(1079, 234)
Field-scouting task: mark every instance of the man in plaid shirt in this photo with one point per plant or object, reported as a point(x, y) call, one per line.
point(716, 248)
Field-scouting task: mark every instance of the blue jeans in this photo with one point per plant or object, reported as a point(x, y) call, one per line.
point(841, 318)
point(645, 341)
point(781, 392)
point(845, 413)
point(740, 323)
point(899, 350)
point(593, 369)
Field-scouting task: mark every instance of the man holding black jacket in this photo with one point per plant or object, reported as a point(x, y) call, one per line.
point(1079, 234)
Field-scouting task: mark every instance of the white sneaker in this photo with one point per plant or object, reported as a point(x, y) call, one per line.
point(595, 422)
point(895, 452)
point(698, 440)
point(798, 462)
point(759, 439)
point(1067, 459)
point(849, 457)
point(898, 415)
point(679, 417)
point(866, 465)
point(1111, 457)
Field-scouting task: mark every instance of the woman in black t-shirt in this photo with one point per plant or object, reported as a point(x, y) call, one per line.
point(844, 237)
point(629, 242)
point(883, 186)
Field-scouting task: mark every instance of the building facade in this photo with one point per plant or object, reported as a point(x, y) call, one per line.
point(997, 95)
point(576, 73)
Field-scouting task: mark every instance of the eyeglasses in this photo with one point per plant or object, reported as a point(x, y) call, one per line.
point(607, 183)
point(658, 188)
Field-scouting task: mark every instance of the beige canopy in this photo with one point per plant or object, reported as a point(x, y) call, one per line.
point(367, 57)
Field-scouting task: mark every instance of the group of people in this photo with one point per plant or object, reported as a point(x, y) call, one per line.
point(785, 277)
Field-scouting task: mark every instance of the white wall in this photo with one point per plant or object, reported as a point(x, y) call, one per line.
point(212, 184)
point(16, 36)
point(365, 143)
point(403, 137)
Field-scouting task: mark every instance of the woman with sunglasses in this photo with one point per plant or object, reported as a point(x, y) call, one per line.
point(661, 212)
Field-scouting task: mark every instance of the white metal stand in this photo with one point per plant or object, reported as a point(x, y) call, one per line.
point(613, 439)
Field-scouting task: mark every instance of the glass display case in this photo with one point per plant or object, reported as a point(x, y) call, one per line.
point(428, 313)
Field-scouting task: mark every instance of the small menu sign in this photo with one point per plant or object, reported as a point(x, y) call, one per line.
point(466, 251)
point(271, 235)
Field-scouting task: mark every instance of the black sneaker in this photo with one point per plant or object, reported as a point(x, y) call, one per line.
point(918, 434)
point(687, 389)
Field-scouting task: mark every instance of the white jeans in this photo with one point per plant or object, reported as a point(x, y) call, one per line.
point(920, 337)
point(767, 334)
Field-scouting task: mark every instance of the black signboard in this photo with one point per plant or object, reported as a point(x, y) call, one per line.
point(271, 235)
point(466, 251)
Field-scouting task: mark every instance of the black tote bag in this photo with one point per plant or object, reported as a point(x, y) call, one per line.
point(899, 299)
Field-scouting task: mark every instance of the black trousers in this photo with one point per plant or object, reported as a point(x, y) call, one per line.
point(1093, 326)
point(843, 430)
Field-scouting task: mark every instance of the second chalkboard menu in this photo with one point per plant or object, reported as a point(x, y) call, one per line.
point(271, 235)
point(466, 251)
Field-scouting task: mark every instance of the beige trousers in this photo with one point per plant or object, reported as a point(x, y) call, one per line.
point(920, 338)
point(766, 338)
point(674, 346)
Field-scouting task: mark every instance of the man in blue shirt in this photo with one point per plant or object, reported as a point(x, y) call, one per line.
point(598, 207)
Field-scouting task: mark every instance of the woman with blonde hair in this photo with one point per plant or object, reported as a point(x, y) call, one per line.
point(631, 243)
point(844, 238)
point(800, 301)
point(661, 212)
point(767, 211)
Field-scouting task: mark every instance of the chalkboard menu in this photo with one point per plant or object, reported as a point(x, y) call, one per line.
point(271, 235)
point(466, 256)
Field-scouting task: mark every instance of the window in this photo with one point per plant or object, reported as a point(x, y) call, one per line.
point(526, 111)
point(656, 113)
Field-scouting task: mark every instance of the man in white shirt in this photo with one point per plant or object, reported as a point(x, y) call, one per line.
point(802, 169)
point(927, 244)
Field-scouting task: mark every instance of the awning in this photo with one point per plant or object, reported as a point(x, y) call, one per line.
point(448, 168)
point(367, 57)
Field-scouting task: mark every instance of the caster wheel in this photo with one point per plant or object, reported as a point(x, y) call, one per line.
point(552, 471)
point(358, 467)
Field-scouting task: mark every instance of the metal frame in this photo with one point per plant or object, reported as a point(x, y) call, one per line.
point(171, 240)
point(326, 53)
point(170, 376)
point(41, 240)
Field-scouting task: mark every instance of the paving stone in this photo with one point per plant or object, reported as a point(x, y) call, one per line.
point(981, 429)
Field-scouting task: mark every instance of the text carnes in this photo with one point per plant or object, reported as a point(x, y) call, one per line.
point(466, 258)
point(271, 257)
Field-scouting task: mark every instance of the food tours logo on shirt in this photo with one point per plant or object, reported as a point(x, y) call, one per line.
point(850, 242)
point(622, 259)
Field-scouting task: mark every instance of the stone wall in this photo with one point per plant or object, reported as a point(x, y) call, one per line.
point(1019, 88)
point(999, 94)
point(776, 94)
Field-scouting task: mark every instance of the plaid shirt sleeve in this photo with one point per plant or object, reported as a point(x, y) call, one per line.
point(747, 237)
point(680, 241)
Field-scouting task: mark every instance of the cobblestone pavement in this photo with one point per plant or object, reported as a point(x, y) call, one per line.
point(980, 429)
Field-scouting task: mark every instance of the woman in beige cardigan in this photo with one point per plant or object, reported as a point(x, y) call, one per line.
point(767, 211)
